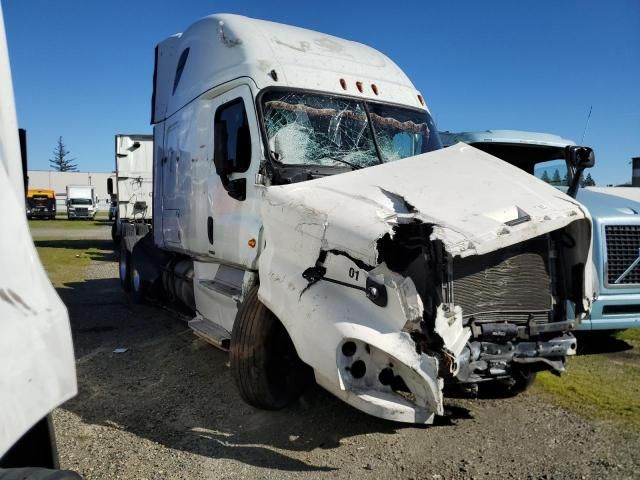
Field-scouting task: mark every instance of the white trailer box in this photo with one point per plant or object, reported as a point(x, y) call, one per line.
point(134, 176)
point(305, 211)
point(133, 192)
point(81, 202)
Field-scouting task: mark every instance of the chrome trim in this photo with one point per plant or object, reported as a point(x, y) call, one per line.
point(629, 269)
point(603, 250)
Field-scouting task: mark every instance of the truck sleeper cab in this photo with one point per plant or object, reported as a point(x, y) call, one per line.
point(616, 220)
point(41, 204)
point(305, 211)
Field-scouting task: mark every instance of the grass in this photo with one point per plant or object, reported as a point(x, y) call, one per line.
point(632, 337)
point(61, 221)
point(604, 386)
point(65, 265)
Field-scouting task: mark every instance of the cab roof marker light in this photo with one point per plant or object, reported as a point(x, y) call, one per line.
point(343, 83)
point(359, 87)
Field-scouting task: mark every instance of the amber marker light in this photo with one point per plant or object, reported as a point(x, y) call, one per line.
point(252, 243)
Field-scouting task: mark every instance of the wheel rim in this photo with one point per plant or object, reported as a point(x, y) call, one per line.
point(123, 267)
point(136, 280)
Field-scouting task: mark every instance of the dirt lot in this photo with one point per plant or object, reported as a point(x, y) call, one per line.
point(167, 408)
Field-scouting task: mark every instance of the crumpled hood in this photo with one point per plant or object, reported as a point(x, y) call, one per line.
point(476, 203)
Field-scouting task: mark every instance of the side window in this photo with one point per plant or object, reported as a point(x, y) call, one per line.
point(182, 61)
point(554, 172)
point(232, 138)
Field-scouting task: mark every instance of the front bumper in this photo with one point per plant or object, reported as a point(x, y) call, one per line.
point(613, 312)
point(385, 377)
point(87, 215)
point(41, 214)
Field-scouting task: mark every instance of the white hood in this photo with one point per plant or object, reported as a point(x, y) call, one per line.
point(476, 203)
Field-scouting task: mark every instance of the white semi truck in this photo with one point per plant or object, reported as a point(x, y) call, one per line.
point(306, 214)
point(81, 202)
point(37, 365)
point(134, 180)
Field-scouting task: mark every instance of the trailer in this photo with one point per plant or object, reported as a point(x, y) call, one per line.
point(132, 194)
point(307, 216)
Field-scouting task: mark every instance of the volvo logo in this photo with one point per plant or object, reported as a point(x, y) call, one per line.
point(629, 269)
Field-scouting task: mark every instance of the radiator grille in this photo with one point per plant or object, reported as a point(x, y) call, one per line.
point(511, 284)
point(623, 248)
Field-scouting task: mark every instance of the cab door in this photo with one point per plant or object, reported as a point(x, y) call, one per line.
point(233, 225)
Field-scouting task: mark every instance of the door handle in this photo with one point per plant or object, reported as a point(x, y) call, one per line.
point(210, 229)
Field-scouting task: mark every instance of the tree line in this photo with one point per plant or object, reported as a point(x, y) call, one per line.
point(556, 179)
point(61, 161)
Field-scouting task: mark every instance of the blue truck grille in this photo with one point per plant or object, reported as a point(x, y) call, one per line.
point(623, 250)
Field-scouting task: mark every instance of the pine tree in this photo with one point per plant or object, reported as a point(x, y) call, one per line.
point(61, 161)
point(556, 180)
point(588, 181)
point(545, 177)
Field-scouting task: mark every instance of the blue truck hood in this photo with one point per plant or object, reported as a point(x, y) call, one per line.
point(602, 205)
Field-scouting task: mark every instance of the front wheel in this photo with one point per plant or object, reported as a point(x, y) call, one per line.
point(519, 382)
point(139, 287)
point(264, 362)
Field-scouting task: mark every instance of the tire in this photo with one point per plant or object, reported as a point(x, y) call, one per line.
point(264, 363)
point(124, 269)
point(139, 287)
point(521, 380)
point(114, 233)
point(141, 229)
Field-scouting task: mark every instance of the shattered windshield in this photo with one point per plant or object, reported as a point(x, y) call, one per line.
point(313, 129)
point(402, 132)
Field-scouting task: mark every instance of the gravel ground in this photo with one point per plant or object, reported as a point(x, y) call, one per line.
point(168, 408)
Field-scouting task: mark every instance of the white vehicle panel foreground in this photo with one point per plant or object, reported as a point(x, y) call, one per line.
point(37, 370)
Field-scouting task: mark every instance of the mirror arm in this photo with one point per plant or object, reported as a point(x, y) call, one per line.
point(575, 182)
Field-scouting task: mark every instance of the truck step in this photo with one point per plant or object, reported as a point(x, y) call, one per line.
point(222, 287)
point(211, 333)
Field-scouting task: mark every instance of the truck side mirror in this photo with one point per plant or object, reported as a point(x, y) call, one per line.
point(580, 157)
point(224, 166)
point(243, 147)
point(220, 154)
point(110, 186)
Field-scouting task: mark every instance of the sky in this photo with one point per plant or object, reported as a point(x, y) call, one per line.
point(83, 69)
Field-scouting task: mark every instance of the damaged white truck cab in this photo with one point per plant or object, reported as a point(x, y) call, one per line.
point(305, 211)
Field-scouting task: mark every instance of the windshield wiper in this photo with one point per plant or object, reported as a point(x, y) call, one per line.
point(352, 165)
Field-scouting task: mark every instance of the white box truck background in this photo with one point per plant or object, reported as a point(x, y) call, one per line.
point(81, 202)
point(305, 212)
point(132, 192)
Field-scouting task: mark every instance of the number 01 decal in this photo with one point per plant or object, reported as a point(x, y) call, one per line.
point(353, 273)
